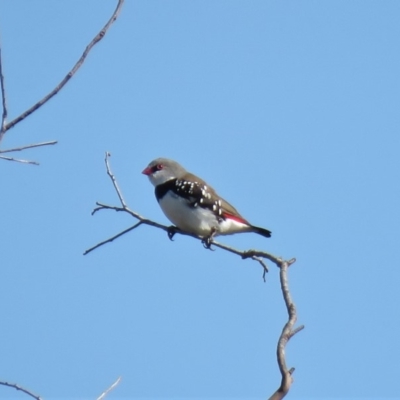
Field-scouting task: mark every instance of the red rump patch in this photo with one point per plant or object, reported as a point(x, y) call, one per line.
point(235, 218)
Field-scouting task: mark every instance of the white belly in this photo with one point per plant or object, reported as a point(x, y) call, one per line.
point(190, 219)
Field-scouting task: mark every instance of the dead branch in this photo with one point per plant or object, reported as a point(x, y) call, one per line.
point(3, 100)
point(20, 160)
point(28, 392)
point(288, 330)
point(287, 333)
point(114, 181)
point(72, 72)
point(108, 390)
point(109, 240)
point(7, 126)
point(15, 386)
point(29, 146)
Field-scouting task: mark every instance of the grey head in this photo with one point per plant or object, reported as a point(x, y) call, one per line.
point(162, 170)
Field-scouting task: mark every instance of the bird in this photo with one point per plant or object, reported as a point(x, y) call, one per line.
point(192, 205)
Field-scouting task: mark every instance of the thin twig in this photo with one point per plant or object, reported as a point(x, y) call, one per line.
point(19, 160)
point(263, 264)
point(71, 73)
point(3, 99)
point(102, 206)
point(15, 386)
point(114, 181)
point(104, 394)
point(112, 238)
point(29, 146)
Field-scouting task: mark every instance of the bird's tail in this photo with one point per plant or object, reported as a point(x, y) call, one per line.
point(261, 231)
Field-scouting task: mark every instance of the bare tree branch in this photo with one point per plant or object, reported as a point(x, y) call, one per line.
point(15, 386)
point(3, 99)
point(114, 181)
point(72, 72)
point(108, 390)
point(288, 330)
point(6, 126)
point(287, 333)
point(28, 392)
point(19, 160)
point(29, 146)
point(112, 238)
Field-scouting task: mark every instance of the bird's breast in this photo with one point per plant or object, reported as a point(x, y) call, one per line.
point(185, 216)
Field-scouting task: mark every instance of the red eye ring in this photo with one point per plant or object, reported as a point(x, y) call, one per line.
point(160, 166)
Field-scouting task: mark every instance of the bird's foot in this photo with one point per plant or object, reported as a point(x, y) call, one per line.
point(171, 232)
point(208, 241)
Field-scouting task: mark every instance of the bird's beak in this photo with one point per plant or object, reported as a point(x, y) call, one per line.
point(147, 171)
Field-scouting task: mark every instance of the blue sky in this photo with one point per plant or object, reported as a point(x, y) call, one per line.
point(291, 110)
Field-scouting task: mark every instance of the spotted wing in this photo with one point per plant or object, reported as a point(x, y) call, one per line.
point(199, 194)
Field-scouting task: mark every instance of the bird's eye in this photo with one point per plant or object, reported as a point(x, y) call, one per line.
point(160, 166)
